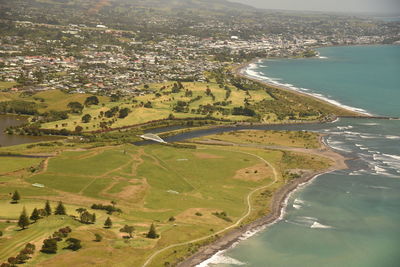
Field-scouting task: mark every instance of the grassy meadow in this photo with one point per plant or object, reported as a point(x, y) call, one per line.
point(179, 190)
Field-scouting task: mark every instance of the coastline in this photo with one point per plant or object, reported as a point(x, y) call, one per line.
point(241, 71)
point(278, 207)
point(280, 198)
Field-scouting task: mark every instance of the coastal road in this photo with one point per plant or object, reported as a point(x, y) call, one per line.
point(238, 222)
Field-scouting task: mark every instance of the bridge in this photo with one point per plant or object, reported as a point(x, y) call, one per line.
point(153, 137)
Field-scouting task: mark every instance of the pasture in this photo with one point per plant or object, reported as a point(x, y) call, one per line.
point(180, 190)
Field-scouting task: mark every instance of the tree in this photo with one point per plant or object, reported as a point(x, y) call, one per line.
point(87, 217)
point(152, 232)
point(127, 229)
point(60, 209)
point(23, 220)
point(98, 237)
point(91, 100)
point(86, 118)
point(29, 249)
point(148, 105)
point(21, 258)
point(73, 244)
point(15, 197)
point(35, 215)
point(108, 223)
point(75, 107)
point(49, 246)
point(47, 208)
point(123, 113)
point(78, 129)
point(12, 261)
point(80, 210)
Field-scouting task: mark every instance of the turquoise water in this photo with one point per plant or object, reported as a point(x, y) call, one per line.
point(366, 77)
point(350, 217)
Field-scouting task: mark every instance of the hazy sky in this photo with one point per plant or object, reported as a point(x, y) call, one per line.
point(378, 6)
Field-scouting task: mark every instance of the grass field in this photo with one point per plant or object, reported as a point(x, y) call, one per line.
point(150, 184)
point(269, 138)
point(11, 164)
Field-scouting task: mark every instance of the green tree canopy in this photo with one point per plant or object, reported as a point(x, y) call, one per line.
point(127, 229)
point(47, 208)
point(23, 220)
point(35, 215)
point(60, 209)
point(108, 223)
point(15, 197)
point(152, 232)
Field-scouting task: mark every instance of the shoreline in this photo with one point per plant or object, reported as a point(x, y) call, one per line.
point(240, 71)
point(278, 209)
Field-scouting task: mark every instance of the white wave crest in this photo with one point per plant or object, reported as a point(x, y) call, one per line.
point(344, 127)
point(320, 226)
point(219, 258)
point(393, 137)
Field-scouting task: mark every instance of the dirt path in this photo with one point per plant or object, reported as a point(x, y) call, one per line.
point(238, 222)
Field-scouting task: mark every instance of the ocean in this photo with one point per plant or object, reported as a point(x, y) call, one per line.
point(349, 217)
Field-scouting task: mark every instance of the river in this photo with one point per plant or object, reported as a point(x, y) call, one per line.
point(11, 140)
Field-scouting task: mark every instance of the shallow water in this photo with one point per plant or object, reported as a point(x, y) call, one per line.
point(10, 140)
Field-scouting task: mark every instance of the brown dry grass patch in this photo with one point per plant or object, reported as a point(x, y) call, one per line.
point(254, 173)
point(189, 216)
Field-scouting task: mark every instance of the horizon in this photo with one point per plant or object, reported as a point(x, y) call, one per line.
point(376, 7)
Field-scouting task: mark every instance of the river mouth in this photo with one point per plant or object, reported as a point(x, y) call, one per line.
point(12, 140)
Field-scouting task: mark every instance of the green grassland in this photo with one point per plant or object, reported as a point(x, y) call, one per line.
point(12, 164)
point(269, 138)
point(150, 184)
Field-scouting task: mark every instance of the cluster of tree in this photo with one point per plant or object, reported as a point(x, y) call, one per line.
point(52, 116)
point(22, 257)
point(18, 107)
point(75, 107)
point(181, 106)
point(210, 109)
point(35, 130)
point(116, 111)
point(210, 94)
point(109, 208)
point(91, 100)
point(243, 111)
point(37, 214)
point(111, 112)
point(177, 87)
point(85, 216)
point(222, 215)
point(50, 245)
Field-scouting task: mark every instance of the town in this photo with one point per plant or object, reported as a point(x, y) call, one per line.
point(99, 59)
